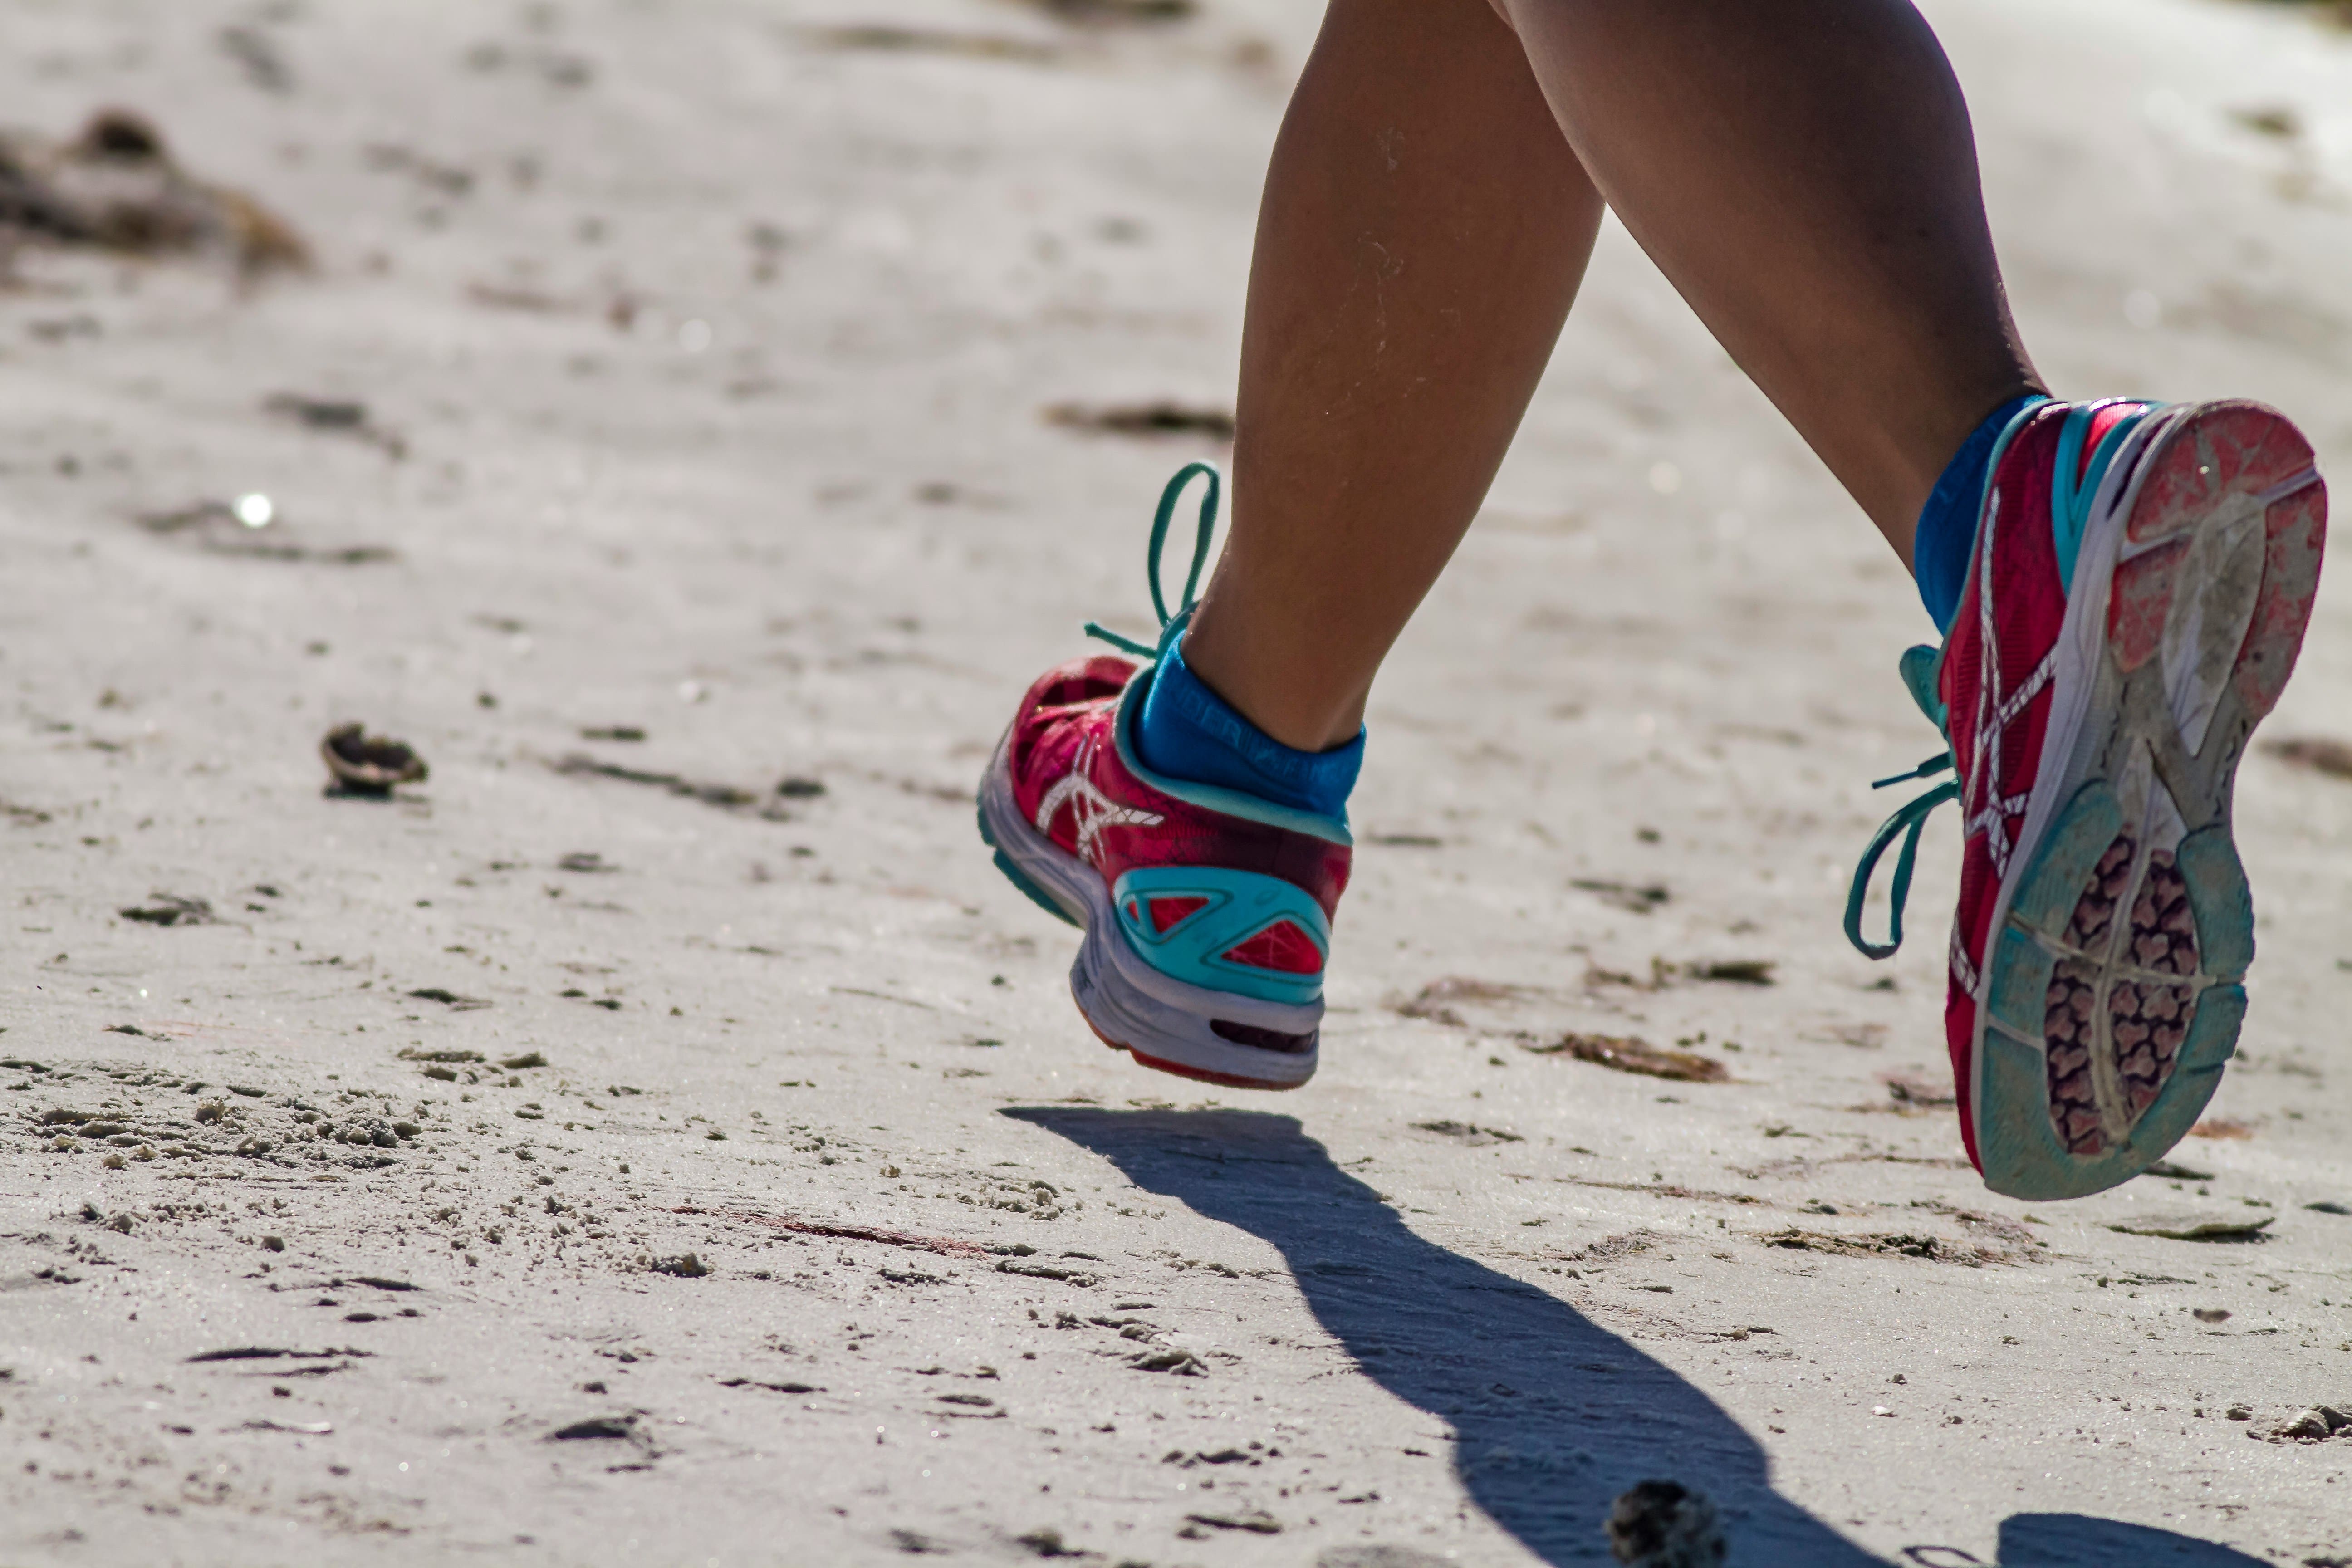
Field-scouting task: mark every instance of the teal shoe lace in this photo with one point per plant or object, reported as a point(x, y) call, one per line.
point(1908, 820)
point(1171, 626)
point(2075, 487)
point(1919, 680)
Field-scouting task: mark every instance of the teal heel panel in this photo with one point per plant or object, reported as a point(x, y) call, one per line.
point(2019, 995)
point(2015, 1143)
point(1036, 894)
point(1234, 906)
point(2213, 1033)
point(2020, 1149)
point(2046, 898)
point(2221, 901)
point(1029, 889)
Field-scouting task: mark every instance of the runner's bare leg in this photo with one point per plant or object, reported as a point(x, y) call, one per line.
point(1423, 231)
point(1802, 170)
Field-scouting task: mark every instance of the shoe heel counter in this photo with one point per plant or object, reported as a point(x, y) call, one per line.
point(1239, 932)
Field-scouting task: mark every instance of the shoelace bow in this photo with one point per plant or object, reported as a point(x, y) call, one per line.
point(1908, 820)
point(1171, 626)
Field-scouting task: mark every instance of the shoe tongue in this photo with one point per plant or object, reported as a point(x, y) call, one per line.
point(1918, 666)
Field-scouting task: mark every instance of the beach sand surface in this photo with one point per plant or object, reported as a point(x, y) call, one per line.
point(660, 1136)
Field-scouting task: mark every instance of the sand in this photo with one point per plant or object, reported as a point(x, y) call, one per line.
point(607, 1151)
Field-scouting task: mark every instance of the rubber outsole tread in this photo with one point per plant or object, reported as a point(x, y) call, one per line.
point(2111, 1002)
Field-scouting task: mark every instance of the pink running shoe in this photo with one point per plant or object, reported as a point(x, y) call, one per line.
point(2140, 585)
point(1207, 911)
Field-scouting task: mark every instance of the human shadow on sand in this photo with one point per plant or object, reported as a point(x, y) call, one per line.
point(1553, 1416)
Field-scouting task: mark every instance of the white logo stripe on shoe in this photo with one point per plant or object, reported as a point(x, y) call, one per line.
point(1962, 969)
point(1091, 811)
point(1981, 809)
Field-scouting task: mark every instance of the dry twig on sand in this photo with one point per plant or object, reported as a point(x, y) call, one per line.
point(1625, 1054)
point(2318, 753)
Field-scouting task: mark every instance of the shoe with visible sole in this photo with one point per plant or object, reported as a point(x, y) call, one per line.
point(1207, 911)
point(2141, 581)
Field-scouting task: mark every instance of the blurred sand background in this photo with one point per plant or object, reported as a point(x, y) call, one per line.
point(680, 372)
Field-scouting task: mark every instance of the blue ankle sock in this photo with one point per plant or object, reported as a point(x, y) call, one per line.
point(1947, 523)
point(1187, 731)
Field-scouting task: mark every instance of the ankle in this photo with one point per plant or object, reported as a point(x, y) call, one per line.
point(1289, 706)
point(1944, 537)
point(1186, 730)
